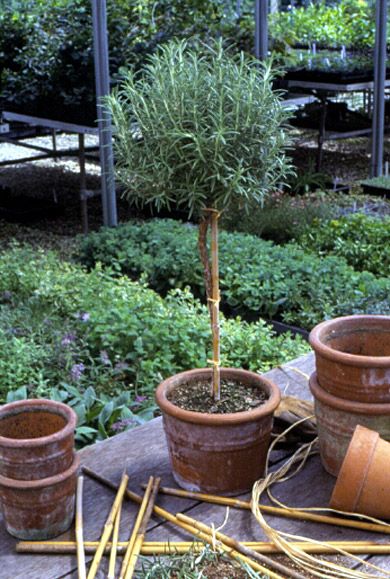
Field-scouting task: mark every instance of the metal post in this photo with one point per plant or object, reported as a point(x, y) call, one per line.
point(100, 45)
point(378, 117)
point(83, 184)
point(261, 29)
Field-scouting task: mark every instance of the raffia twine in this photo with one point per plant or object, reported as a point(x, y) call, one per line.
point(317, 567)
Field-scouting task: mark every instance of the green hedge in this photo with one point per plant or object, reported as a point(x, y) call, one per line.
point(46, 47)
point(59, 323)
point(257, 276)
point(363, 241)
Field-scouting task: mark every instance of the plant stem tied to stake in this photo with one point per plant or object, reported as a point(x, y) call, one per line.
point(214, 301)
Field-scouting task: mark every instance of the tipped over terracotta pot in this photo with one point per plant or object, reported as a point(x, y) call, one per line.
point(363, 484)
point(218, 453)
point(353, 357)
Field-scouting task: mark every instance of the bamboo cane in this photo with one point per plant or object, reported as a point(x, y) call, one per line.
point(167, 548)
point(108, 527)
point(215, 298)
point(82, 571)
point(190, 529)
point(142, 530)
point(278, 511)
point(114, 545)
point(136, 527)
point(239, 547)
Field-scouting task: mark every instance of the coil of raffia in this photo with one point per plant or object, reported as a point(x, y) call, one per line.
point(315, 566)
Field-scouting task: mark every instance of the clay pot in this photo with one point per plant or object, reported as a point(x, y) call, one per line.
point(39, 509)
point(36, 439)
point(353, 357)
point(217, 453)
point(337, 420)
point(363, 484)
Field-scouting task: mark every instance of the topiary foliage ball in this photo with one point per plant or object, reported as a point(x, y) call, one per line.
point(199, 130)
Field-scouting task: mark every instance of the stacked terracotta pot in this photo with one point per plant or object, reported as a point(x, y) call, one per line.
point(351, 385)
point(38, 468)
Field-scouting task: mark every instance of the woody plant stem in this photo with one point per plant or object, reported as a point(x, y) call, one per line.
point(211, 280)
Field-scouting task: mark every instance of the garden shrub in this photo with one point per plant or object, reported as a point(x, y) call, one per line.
point(281, 218)
point(363, 241)
point(257, 276)
point(96, 329)
point(46, 48)
point(347, 23)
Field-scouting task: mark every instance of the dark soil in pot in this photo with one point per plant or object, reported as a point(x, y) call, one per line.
point(235, 397)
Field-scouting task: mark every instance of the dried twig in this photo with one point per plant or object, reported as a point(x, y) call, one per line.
point(107, 530)
point(243, 549)
point(114, 545)
point(142, 530)
point(278, 511)
point(82, 571)
point(167, 548)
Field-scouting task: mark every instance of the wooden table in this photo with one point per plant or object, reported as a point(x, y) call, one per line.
point(144, 451)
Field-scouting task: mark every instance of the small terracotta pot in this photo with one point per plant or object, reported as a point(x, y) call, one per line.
point(363, 484)
point(337, 420)
point(39, 509)
point(36, 439)
point(217, 453)
point(353, 357)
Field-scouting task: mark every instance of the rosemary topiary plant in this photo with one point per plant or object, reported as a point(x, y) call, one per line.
point(200, 131)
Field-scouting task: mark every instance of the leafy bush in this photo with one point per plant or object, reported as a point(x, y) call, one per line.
point(46, 48)
point(363, 241)
point(281, 218)
point(257, 277)
point(350, 23)
point(92, 328)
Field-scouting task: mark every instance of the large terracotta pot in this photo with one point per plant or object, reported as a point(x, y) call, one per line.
point(337, 420)
point(36, 439)
point(217, 453)
point(353, 357)
point(39, 509)
point(363, 484)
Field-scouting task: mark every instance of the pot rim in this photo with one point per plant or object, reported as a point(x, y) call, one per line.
point(354, 469)
point(380, 408)
point(217, 419)
point(316, 342)
point(28, 485)
point(50, 406)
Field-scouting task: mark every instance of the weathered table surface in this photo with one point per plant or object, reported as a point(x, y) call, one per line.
point(144, 451)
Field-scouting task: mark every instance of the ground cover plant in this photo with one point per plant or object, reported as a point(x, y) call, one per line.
point(363, 241)
point(377, 185)
point(102, 342)
point(257, 277)
point(206, 564)
point(282, 217)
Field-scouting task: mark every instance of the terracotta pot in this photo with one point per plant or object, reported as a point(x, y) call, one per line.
point(217, 453)
point(36, 439)
point(353, 357)
point(39, 509)
point(363, 484)
point(337, 420)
